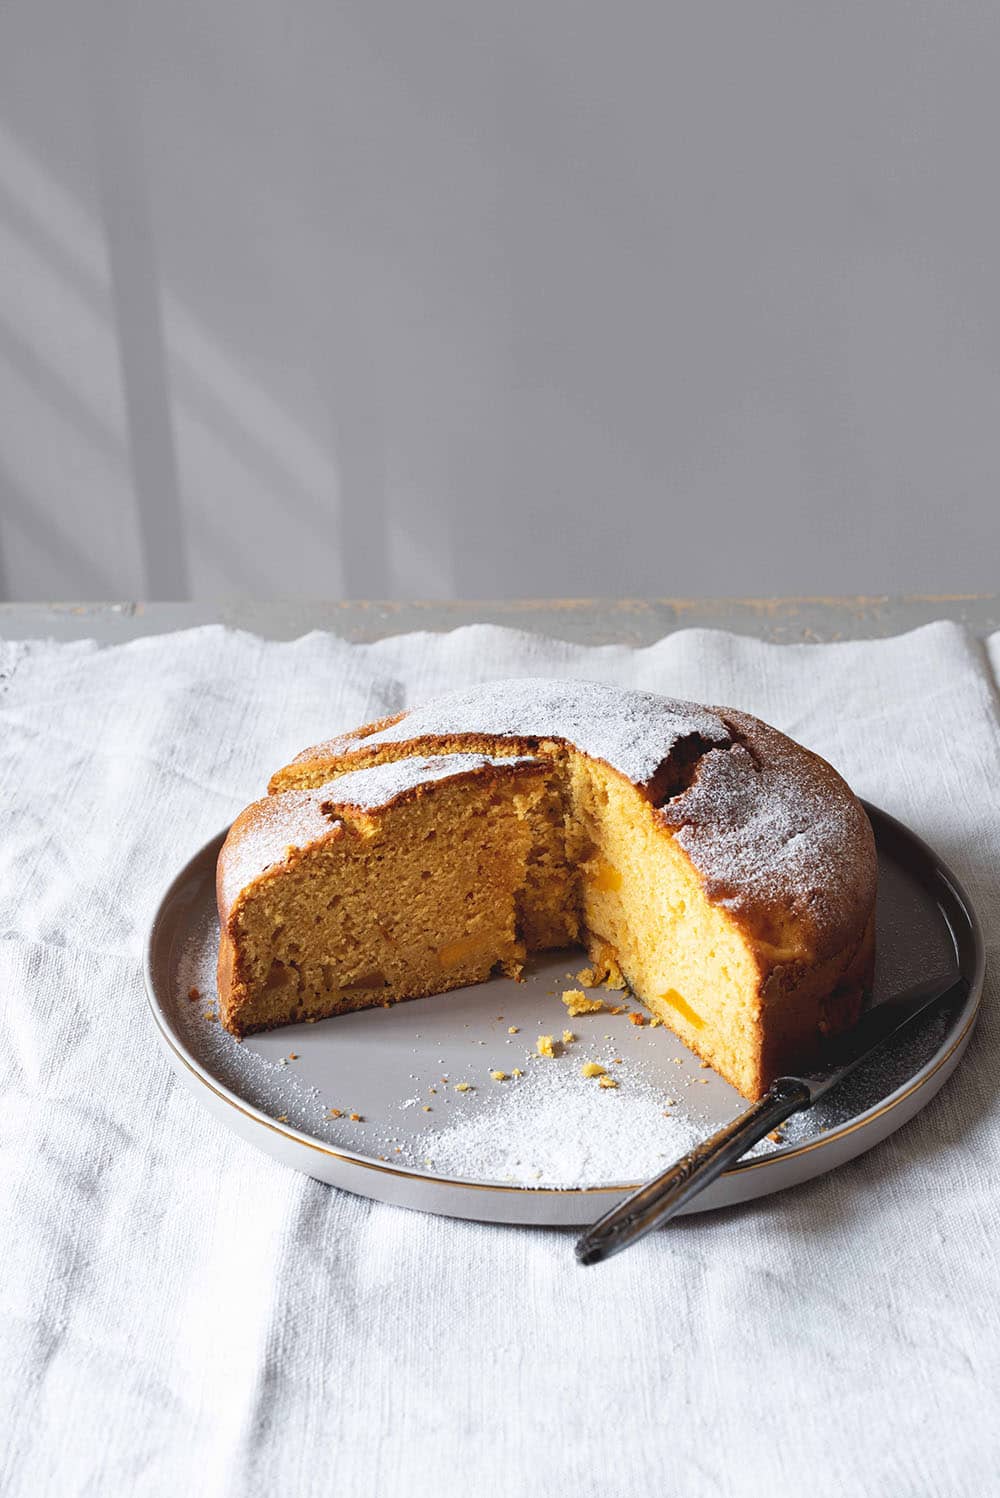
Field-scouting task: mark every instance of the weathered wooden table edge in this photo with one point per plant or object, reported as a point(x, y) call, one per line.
point(586, 621)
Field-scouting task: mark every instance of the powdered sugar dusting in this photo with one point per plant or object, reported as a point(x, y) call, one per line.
point(380, 784)
point(299, 817)
point(632, 731)
point(767, 824)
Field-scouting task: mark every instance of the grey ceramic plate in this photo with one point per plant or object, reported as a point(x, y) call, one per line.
point(547, 1146)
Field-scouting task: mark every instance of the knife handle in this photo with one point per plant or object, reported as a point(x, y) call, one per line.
point(662, 1198)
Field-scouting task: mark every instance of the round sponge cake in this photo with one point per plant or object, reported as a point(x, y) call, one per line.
point(728, 873)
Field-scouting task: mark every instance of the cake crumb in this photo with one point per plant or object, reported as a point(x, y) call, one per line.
point(499, 1076)
point(427, 1107)
point(637, 1019)
point(776, 1136)
point(513, 1029)
point(545, 1046)
point(704, 1065)
point(356, 1118)
point(463, 1086)
point(654, 1021)
point(616, 1061)
point(568, 1037)
point(517, 1072)
point(282, 1118)
point(577, 1002)
point(603, 969)
point(606, 1081)
point(335, 1113)
point(194, 993)
point(293, 1055)
point(592, 1069)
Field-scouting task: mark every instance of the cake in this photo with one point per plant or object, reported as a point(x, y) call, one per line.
point(728, 872)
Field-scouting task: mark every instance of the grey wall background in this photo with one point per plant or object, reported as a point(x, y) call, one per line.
point(458, 299)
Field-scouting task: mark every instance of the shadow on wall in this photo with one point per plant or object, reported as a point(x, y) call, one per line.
point(137, 456)
point(101, 368)
point(543, 298)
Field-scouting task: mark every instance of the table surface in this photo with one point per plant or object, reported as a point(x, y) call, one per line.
point(586, 621)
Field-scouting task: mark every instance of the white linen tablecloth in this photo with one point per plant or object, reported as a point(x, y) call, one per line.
point(179, 1314)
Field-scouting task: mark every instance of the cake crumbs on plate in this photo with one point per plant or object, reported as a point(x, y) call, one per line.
point(592, 1069)
point(568, 1037)
point(618, 1009)
point(517, 1072)
point(545, 1046)
point(513, 1029)
point(463, 1087)
point(577, 1002)
point(606, 1081)
point(427, 1108)
point(499, 1076)
point(335, 1113)
point(654, 1021)
point(637, 1019)
point(357, 1118)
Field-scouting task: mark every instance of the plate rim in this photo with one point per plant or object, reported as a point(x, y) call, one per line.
point(937, 868)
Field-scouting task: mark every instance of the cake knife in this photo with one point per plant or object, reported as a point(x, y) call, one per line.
point(662, 1198)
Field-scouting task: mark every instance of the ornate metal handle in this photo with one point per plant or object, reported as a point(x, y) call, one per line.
point(663, 1197)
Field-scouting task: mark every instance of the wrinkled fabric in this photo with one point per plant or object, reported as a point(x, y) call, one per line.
point(180, 1314)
